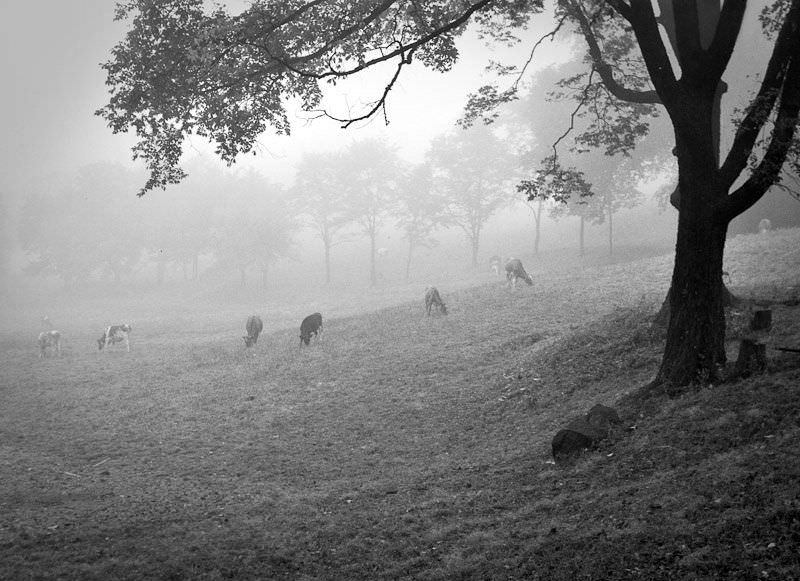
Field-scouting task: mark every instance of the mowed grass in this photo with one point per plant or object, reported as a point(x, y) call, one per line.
point(405, 446)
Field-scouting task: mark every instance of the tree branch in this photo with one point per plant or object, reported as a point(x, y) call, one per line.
point(688, 49)
point(786, 45)
point(656, 59)
point(601, 66)
point(771, 165)
point(728, 29)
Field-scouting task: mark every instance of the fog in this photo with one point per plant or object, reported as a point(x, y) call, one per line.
point(74, 233)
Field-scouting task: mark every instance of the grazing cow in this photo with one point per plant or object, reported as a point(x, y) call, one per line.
point(494, 263)
point(311, 325)
point(47, 339)
point(764, 225)
point(253, 328)
point(115, 334)
point(515, 271)
point(432, 298)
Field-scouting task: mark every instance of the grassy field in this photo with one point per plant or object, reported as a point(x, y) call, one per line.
point(401, 446)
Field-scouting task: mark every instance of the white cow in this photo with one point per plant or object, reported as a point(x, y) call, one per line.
point(115, 334)
point(47, 339)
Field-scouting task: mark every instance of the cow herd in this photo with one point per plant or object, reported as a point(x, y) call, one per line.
point(311, 326)
point(50, 339)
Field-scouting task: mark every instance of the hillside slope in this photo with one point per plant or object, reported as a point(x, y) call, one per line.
point(401, 446)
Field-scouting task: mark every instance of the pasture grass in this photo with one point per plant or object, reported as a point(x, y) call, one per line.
point(400, 446)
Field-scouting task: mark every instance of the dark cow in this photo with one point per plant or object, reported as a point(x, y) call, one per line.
point(494, 263)
point(115, 334)
point(432, 298)
point(49, 339)
point(311, 325)
point(515, 271)
point(253, 328)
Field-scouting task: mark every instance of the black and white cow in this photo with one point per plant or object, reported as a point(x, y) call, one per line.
point(433, 298)
point(253, 328)
point(515, 271)
point(494, 263)
point(765, 225)
point(115, 334)
point(311, 325)
point(47, 339)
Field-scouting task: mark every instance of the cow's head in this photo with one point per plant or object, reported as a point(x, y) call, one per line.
point(305, 338)
point(101, 342)
point(249, 341)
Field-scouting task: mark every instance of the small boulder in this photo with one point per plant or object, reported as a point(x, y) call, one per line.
point(603, 418)
point(578, 436)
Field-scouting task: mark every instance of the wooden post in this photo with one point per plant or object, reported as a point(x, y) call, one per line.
point(753, 349)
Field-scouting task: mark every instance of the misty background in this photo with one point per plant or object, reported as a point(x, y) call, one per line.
point(405, 201)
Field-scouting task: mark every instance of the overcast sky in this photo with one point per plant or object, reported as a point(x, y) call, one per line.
point(50, 51)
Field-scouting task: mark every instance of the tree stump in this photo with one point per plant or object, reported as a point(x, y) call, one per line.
point(753, 349)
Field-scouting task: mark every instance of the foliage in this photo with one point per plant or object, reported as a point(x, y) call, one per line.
point(182, 71)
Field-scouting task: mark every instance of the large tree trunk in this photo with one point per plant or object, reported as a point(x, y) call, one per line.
point(695, 350)
point(695, 342)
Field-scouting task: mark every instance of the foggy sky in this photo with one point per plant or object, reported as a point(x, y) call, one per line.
point(50, 52)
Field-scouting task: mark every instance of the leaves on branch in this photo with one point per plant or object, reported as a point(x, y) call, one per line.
point(556, 183)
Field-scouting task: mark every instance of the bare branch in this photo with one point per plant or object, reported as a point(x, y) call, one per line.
point(602, 67)
point(771, 164)
point(758, 112)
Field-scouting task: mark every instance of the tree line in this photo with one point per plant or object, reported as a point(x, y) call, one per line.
point(243, 223)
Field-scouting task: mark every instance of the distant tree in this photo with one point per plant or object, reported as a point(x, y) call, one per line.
point(180, 222)
point(374, 172)
point(111, 220)
point(255, 228)
point(475, 173)
point(87, 226)
point(422, 210)
point(571, 193)
point(318, 197)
